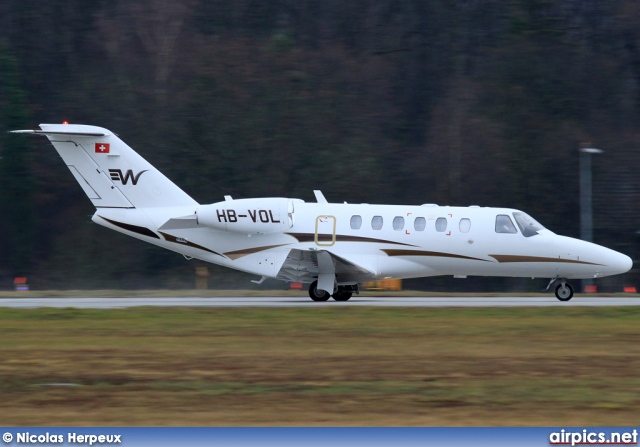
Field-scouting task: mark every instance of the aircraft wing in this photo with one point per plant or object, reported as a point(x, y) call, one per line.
point(306, 265)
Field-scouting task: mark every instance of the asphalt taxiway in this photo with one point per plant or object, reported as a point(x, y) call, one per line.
point(120, 303)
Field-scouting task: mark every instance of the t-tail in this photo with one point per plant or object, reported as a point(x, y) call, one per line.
point(111, 174)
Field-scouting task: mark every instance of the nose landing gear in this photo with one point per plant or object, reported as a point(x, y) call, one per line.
point(564, 290)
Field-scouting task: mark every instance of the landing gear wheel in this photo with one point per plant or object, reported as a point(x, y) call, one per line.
point(317, 294)
point(342, 295)
point(564, 292)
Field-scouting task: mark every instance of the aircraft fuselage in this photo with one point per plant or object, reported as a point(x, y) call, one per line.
point(388, 241)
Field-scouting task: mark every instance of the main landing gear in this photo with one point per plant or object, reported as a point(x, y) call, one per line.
point(564, 290)
point(342, 294)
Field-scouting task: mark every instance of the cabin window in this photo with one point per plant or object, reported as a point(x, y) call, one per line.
point(504, 224)
point(356, 222)
point(441, 224)
point(376, 222)
point(398, 223)
point(420, 223)
point(465, 225)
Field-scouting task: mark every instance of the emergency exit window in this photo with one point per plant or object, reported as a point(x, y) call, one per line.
point(420, 223)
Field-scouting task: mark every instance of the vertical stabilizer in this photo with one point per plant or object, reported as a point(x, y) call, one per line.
point(111, 173)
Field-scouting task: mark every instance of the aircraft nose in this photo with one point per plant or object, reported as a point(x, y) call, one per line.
point(598, 260)
point(614, 262)
point(620, 263)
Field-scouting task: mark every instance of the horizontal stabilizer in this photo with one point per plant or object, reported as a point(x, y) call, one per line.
point(57, 132)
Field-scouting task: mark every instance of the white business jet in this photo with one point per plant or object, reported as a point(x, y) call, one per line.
point(331, 246)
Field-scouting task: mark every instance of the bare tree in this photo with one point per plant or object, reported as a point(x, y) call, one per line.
point(158, 24)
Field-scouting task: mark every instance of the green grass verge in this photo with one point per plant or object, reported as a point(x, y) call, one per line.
point(315, 366)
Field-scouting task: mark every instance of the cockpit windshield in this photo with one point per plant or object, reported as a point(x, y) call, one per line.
point(527, 224)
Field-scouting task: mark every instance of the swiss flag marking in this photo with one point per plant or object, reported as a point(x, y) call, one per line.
point(102, 148)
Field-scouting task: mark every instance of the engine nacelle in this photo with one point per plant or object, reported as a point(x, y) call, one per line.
point(248, 216)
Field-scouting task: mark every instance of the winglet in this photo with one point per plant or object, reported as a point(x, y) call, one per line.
point(319, 196)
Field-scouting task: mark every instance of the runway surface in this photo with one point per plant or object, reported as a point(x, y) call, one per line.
point(119, 303)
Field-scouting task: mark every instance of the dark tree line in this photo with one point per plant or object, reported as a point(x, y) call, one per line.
point(454, 102)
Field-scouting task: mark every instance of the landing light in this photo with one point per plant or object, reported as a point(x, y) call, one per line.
point(65, 122)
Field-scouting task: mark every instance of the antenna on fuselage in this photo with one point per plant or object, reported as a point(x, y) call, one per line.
point(319, 196)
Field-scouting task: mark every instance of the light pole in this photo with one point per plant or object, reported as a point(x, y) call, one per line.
point(586, 206)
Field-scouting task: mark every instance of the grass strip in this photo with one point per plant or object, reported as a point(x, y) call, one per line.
point(314, 366)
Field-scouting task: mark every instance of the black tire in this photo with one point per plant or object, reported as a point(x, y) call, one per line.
point(342, 295)
point(564, 293)
point(316, 294)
